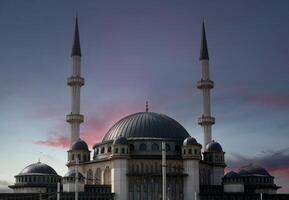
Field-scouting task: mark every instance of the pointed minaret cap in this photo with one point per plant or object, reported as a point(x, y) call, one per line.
point(204, 55)
point(76, 51)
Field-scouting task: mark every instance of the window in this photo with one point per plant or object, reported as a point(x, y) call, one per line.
point(116, 150)
point(184, 151)
point(84, 157)
point(190, 151)
point(72, 157)
point(109, 149)
point(143, 147)
point(122, 151)
point(196, 151)
point(155, 147)
point(131, 147)
point(168, 147)
point(102, 150)
point(178, 148)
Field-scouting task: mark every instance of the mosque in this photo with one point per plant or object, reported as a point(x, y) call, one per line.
point(127, 163)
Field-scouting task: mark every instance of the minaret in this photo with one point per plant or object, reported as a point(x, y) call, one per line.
point(205, 85)
point(75, 82)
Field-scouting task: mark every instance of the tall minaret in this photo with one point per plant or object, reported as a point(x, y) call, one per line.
point(75, 82)
point(205, 84)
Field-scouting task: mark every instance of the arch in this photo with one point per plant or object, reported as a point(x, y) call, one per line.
point(97, 176)
point(72, 157)
point(178, 148)
point(131, 147)
point(107, 176)
point(89, 177)
point(102, 150)
point(155, 147)
point(142, 147)
point(168, 147)
point(109, 149)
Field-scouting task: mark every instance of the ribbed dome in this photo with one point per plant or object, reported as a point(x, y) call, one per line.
point(147, 125)
point(251, 170)
point(79, 145)
point(214, 147)
point(190, 141)
point(38, 168)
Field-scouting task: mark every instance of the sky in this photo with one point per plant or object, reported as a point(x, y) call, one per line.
point(136, 50)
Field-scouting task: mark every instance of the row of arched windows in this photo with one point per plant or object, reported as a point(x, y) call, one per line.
point(154, 168)
point(99, 177)
point(37, 179)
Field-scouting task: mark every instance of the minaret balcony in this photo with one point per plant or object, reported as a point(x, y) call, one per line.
point(75, 80)
point(74, 118)
point(205, 84)
point(206, 120)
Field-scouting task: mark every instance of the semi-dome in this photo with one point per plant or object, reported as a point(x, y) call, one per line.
point(214, 146)
point(120, 140)
point(38, 168)
point(72, 173)
point(79, 145)
point(147, 125)
point(190, 141)
point(253, 170)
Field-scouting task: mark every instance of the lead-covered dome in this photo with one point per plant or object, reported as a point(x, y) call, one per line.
point(38, 168)
point(214, 146)
point(79, 145)
point(253, 170)
point(147, 125)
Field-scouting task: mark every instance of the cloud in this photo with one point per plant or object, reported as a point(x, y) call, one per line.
point(4, 183)
point(276, 162)
point(93, 129)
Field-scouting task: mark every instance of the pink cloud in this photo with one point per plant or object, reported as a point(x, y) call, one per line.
point(275, 101)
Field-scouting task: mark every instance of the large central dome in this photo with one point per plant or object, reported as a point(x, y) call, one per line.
point(147, 125)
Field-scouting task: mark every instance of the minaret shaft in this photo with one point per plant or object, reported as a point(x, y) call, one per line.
point(205, 85)
point(75, 82)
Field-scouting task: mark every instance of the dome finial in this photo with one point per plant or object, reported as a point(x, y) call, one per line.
point(147, 106)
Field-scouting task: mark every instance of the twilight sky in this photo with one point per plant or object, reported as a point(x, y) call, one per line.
point(141, 50)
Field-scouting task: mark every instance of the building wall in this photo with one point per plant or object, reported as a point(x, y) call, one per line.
point(234, 187)
point(191, 182)
point(30, 190)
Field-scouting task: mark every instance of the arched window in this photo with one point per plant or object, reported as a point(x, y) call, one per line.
point(143, 147)
point(97, 177)
point(89, 177)
point(116, 150)
point(178, 148)
point(155, 147)
point(72, 157)
point(122, 150)
point(79, 157)
point(190, 151)
point(102, 150)
point(109, 149)
point(184, 151)
point(84, 157)
point(168, 147)
point(131, 147)
point(107, 176)
point(96, 151)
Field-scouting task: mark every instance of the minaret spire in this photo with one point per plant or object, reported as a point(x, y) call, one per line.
point(75, 82)
point(76, 50)
point(204, 55)
point(205, 85)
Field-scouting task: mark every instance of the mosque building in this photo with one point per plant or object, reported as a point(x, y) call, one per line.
point(127, 163)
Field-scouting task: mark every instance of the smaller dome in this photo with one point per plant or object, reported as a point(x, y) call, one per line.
point(251, 170)
point(120, 140)
point(232, 174)
point(214, 147)
point(38, 168)
point(79, 145)
point(71, 174)
point(190, 141)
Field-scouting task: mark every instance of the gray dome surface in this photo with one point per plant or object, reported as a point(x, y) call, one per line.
point(147, 125)
point(190, 141)
point(251, 170)
point(72, 173)
point(79, 145)
point(38, 168)
point(120, 140)
point(214, 147)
